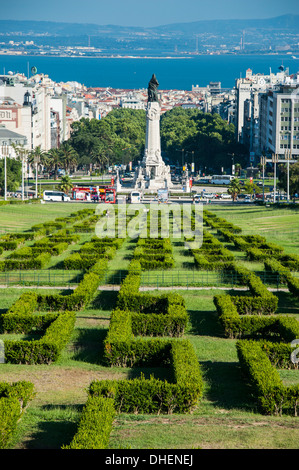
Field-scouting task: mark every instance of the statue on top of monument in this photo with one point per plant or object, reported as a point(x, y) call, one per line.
point(152, 89)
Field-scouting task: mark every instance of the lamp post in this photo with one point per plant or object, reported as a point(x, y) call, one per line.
point(263, 163)
point(5, 152)
point(37, 160)
point(22, 155)
point(274, 160)
point(288, 157)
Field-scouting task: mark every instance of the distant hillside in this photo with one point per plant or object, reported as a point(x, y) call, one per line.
point(285, 22)
point(35, 28)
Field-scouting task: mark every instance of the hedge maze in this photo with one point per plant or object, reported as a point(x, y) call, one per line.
point(264, 337)
point(146, 329)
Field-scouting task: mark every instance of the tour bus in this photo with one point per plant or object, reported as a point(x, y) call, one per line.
point(135, 197)
point(221, 179)
point(110, 196)
point(56, 196)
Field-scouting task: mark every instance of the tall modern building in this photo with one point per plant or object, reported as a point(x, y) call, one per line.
point(246, 89)
point(267, 113)
point(279, 119)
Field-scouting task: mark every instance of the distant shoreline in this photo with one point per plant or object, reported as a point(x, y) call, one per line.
point(191, 56)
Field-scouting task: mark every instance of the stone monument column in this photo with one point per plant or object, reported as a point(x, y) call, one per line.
point(153, 173)
point(152, 155)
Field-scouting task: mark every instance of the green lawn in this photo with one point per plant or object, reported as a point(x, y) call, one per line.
point(226, 418)
point(21, 217)
point(279, 226)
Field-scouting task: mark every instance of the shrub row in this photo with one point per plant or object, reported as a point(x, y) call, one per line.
point(83, 293)
point(13, 399)
point(18, 317)
point(292, 282)
point(38, 262)
point(154, 253)
point(95, 424)
point(219, 223)
point(272, 396)
point(45, 350)
point(153, 395)
point(236, 326)
point(90, 253)
point(212, 256)
point(138, 313)
point(261, 302)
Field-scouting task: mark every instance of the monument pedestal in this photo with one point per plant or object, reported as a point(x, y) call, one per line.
point(152, 173)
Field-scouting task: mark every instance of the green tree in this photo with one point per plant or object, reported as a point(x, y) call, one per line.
point(251, 188)
point(65, 184)
point(99, 141)
point(208, 136)
point(14, 174)
point(234, 188)
point(54, 160)
point(69, 156)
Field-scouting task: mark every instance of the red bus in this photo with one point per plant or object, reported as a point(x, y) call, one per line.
point(110, 196)
point(102, 193)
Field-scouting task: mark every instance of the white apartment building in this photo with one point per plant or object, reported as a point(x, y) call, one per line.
point(246, 89)
point(30, 108)
point(279, 118)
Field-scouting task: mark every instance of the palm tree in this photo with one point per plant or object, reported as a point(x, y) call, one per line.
point(65, 184)
point(54, 160)
point(68, 156)
point(234, 188)
point(37, 157)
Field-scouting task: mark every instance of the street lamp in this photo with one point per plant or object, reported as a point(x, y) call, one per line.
point(263, 163)
point(274, 160)
point(22, 153)
point(288, 157)
point(5, 152)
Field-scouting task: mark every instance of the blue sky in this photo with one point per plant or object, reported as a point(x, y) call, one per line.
point(143, 12)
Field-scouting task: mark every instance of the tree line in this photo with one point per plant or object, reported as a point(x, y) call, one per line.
point(187, 136)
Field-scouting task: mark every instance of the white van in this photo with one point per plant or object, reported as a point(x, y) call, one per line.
point(56, 196)
point(135, 197)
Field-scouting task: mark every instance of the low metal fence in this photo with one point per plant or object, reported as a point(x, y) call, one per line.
point(153, 279)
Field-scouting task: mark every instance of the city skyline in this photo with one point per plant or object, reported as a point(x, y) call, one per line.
point(140, 13)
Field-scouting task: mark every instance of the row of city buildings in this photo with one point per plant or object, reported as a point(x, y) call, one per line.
point(36, 111)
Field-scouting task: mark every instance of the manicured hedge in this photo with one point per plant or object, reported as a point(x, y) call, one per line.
point(292, 282)
point(154, 253)
point(262, 301)
point(13, 400)
point(38, 262)
point(83, 293)
point(237, 326)
point(144, 314)
point(152, 395)
point(45, 350)
point(95, 424)
point(266, 385)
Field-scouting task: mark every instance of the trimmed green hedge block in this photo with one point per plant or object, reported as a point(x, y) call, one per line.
point(13, 400)
point(48, 348)
point(236, 326)
point(156, 396)
point(272, 396)
point(95, 424)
